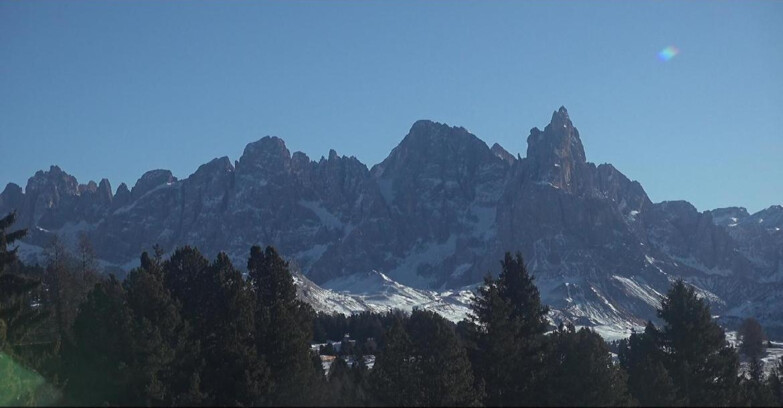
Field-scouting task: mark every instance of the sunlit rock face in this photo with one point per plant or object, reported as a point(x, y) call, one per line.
point(437, 214)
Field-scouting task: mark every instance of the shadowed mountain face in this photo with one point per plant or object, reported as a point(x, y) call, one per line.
point(437, 213)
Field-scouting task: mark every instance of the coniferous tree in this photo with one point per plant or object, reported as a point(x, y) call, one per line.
point(648, 380)
point(755, 390)
point(60, 287)
point(283, 329)
point(8, 256)
point(163, 351)
point(187, 277)
point(580, 372)
point(702, 365)
point(442, 362)
point(234, 373)
point(347, 385)
point(17, 315)
point(775, 382)
point(98, 368)
point(509, 325)
point(67, 281)
point(21, 314)
point(752, 338)
point(87, 260)
point(395, 375)
point(220, 306)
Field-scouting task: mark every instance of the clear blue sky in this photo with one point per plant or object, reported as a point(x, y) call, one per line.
point(112, 89)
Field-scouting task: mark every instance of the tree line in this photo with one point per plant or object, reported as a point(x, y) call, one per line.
point(186, 330)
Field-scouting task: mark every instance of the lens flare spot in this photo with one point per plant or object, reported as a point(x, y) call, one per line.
point(668, 53)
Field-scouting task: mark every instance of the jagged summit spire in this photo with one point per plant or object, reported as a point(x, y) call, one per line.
point(560, 119)
point(556, 152)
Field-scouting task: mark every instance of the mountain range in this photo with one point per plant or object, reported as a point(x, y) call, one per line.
point(429, 222)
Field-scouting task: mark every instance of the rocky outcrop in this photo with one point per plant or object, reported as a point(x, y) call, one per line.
point(503, 154)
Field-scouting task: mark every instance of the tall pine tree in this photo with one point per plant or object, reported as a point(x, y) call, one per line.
point(645, 363)
point(775, 382)
point(99, 366)
point(510, 322)
point(283, 328)
point(395, 377)
point(579, 371)
point(163, 351)
point(21, 314)
point(442, 362)
point(234, 373)
point(701, 363)
point(188, 278)
point(348, 385)
point(17, 314)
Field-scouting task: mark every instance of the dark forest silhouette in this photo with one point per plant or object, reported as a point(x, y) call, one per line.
point(189, 331)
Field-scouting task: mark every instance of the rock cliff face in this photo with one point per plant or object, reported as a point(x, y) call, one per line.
point(438, 213)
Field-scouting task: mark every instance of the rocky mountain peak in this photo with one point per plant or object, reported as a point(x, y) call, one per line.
point(55, 179)
point(91, 187)
point(502, 153)
point(430, 142)
point(150, 180)
point(219, 165)
point(426, 134)
point(122, 196)
point(558, 142)
point(266, 147)
point(104, 193)
point(560, 118)
point(122, 189)
point(11, 197)
point(424, 125)
point(300, 163)
point(771, 217)
point(556, 153)
point(729, 216)
point(268, 155)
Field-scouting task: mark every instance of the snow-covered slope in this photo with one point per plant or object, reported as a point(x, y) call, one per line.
point(376, 292)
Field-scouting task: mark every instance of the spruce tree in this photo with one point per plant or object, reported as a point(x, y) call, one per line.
point(648, 380)
point(701, 363)
point(754, 387)
point(8, 256)
point(580, 371)
point(395, 376)
point(755, 391)
point(775, 382)
point(283, 328)
point(99, 368)
point(18, 315)
point(66, 282)
point(509, 324)
point(163, 352)
point(187, 277)
point(442, 362)
point(347, 385)
point(752, 338)
point(21, 314)
point(234, 373)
